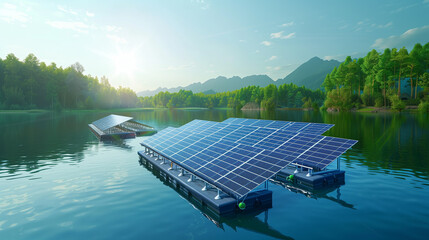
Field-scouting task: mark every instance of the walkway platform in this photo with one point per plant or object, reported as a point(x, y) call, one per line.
point(226, 205)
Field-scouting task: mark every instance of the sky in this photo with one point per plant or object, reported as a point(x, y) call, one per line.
point(149, 44)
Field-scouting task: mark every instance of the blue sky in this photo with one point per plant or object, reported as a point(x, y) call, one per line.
point(150, 44)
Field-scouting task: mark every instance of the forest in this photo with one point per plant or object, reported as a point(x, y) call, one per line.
point(269, 97)
point(31, 84)
point(394, 78)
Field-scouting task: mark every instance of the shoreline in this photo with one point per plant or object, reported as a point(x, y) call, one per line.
point(410, 109)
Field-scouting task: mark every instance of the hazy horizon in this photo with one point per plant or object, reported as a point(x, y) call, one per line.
point(146, 45)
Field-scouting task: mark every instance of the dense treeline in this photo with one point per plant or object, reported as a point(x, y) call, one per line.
point(32, 84)
point(269, 97)
point(376, 79)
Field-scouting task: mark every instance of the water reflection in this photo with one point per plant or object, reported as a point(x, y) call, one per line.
point(32, 142)
point(315, 194)
point(249, 221)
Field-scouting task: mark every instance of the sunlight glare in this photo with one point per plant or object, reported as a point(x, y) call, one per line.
point(125, 63)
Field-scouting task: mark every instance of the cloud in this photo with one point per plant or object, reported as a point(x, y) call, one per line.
point(366, 25)
point(75, 26)
point(328, 58)
point(111, 28)
point(385, 25)
point(407, 39)
point(398, 10)
point(288, 24)
point(90, 14)
point(203, 4)
point(343, 27)
point(266, 43)
point(280, 35)
point(116, 39)
point(276, 35)
point(290, 35)
point(272, 58)
point(66, 10)
point(10, 14)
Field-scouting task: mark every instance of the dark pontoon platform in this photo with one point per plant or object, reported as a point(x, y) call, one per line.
point(227, 205)
point(313, 181)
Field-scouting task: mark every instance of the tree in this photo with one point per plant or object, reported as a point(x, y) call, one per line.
point(384, 70)
point(368, 67)
point(401, 58)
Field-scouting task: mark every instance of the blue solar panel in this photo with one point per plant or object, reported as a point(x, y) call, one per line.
point(315, 128)
point(238, 158)
point(110, 121)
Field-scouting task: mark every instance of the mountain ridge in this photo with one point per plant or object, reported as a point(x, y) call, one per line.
point(310, 74)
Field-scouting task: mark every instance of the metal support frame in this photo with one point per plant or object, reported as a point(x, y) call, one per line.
point(171, 167)
point(297, 169)
point(182, 172)
point(191, 178)
point(338, 163)
point(218, 195)
point(310, 172)
point(206, 187)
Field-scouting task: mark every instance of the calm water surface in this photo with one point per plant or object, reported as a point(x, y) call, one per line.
point(57, 181)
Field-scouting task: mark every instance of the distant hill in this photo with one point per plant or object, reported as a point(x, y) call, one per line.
point(310, 74)
point(219, 84)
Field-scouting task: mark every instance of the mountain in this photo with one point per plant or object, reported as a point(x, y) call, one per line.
point(219, 84)
point(310, 74)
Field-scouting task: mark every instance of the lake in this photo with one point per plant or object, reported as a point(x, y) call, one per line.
point(57, 181)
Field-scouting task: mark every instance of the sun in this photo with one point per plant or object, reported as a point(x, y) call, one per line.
point(125, 62)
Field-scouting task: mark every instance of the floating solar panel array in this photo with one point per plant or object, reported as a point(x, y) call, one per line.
point(239, 157)
point(110, 121)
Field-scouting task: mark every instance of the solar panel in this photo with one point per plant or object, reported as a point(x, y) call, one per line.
point(238, 158)
point(315, 128)
point(110, 121)
point(271, 139)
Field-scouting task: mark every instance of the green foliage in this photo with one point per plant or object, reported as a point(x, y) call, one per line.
point(33, 84)
point(268, 104)
point(307, 103)
point(315, 106)
point(424, 106)
point(340, 100)
point(397, 104)
point(270, 97)
point(380, 75)
point(379, 101)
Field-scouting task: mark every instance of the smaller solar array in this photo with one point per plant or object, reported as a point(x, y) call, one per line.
point(315, 128)
point(238, 158)
point(110, 121)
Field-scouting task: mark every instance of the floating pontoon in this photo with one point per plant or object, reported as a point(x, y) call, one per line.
point(227, 165)
point(116, 126)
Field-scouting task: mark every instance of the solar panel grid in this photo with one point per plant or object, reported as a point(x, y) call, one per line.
point(225, 153)
point(316, 128)
point(110, 121)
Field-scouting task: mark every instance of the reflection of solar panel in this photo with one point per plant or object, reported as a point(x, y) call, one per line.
point(238, 158)
point(110, 121)
point(315, 128)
